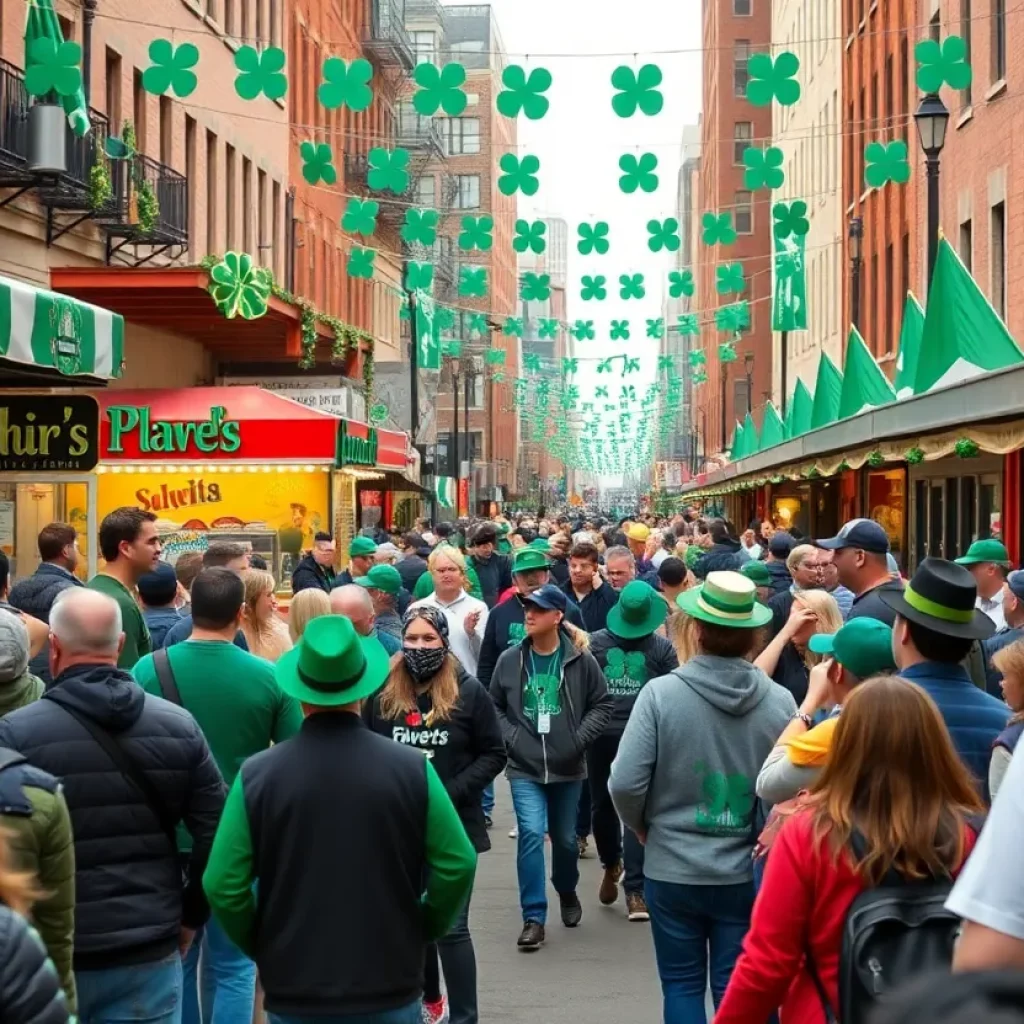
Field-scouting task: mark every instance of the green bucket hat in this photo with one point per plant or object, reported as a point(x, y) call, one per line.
point(527, 559)
point(381, 577)
point(985, 551)
point(361, 546)
point(863, 647)
point(758, 572)
point(725, 599)
point(638, 612)
point(540, 544)
point(332, 665)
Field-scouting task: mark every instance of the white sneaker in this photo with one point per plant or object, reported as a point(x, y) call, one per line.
point(513, 833)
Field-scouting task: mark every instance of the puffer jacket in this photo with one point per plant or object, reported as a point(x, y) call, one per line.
point(728, 554)
point(781, 579)
point(30, 991)
point(35, 596)
point(130, 902)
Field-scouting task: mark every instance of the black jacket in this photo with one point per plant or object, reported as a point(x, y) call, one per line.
point(627, 666)
point(129, 903)
point(309, 573)
point(781, 579)
point(560, 570)
point(495, 575)
point(467, 750)
point(35, 596)
point(719, 557)
point(411, 568)
point(595, 606)
point(506, 628)
point(869, 605)
point(30, 991)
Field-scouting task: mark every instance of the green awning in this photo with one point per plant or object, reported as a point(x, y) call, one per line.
point(803, 409)
point(751, 441)
point(772, 430)
point(910, 346)
point(865, 385)
point(827, 391)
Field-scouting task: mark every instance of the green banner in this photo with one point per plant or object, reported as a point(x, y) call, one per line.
point(789, 301)
point(428, 335)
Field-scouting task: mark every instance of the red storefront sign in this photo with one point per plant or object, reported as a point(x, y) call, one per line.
point(463, 497)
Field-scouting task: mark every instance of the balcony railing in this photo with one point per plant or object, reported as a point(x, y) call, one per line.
point(386, 40)
point(14, 105)
point(415, 132)
point(420, 11)
point(149, 204)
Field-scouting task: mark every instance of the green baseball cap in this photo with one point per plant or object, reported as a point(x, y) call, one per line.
point(758, 572)
point(528, 559)
point(381, 577)
point(361, 547)
point(863, 647)
point(540, 544)
point(985, 551)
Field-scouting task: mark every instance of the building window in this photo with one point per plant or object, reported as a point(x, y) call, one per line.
point(229, 196)
point(424, 45)
point(965, 35)
point(967, 244)
point(742, 137)
point(113, 85)
point(166, 127)
point(426, 190)
point(740, 56)
point(742, 8)
point(191, 172)
point(247, 210)
point(743, 213)
point(212, 178)
point(997, 248)
point(935, 27)
point(998, 40)
point(139, 110)
point(467, 196)
point(461, 135)
point(889, 314)
point(905, 283)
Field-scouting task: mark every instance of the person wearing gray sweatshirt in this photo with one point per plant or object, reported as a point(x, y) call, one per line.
point(683, 781)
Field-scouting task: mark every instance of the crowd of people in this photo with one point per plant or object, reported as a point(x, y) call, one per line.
point(784, 752)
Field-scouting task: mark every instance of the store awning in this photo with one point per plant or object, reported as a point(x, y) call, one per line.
point(55, 332)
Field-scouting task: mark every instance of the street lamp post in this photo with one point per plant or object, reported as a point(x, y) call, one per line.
point(932, 119)
point(748, 365)
point(856, 234)
point(455, 419)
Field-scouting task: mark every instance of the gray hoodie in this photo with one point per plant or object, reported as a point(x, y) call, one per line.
point(687, 763)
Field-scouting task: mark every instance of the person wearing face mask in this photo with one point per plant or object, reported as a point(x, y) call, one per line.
point(431, 703)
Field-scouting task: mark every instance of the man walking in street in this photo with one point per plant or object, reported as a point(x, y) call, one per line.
point(988, 561)
point(133, 767)
point(861, 547)
point(493, 570)
point(552, 703)
point(619, 567)
point(220, 554)
point(354, 603)
point(350, 834)
point(592, 595)
point(383, 583)
point(779, 547)
point(1013, 616)
point(316, 569)
point(362, 554)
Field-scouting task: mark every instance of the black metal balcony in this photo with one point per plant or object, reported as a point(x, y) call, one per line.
point(14, 103)
point(149, 207)
point(387, 41)
point(357, 167)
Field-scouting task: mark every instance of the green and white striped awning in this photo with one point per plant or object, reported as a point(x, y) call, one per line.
point(55, 332)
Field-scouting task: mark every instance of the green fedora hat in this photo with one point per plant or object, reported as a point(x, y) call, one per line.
point(381, 577)
point(985, 551)
point(528, 559)
point(725, 599)
point(639, 611)
point(332, 664)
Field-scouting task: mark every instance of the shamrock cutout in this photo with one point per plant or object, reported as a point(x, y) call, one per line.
point(476, 233)
point(360, 217)
point(473, 282)
point(666, 363)
point(513, 327)
point(419, 277)
point(420, 227)
point(316, 163)
point(656, 328)
point(346, 85)
point(439, 89)
point(445, 318)
point(605, 366)
point(697, 357)
point(547, 328)
point(388, 169)
point(523, 95)
point(790, 219)
point(531, 362)
point(628, 393)
point(763, 168)
point(171, 68)
point(593, 238)
point(519, 176)
point(535, 287)
point(734, 317)
point(680, 283)
point(620, 330)
point(260, 73)
point(451, 348)
point(593, 287)
point(718, 229)
point(946, 64)
point(664, 235)
point(773, 78)
point(477, 324)
point(530, 236)
point(360, 262)
point(631, 286)
point(495, 357)
point(638, 174)
point(637, 90)
point(689, 325)
point(729, 278)
point(498, 377)
point(727, 352)
point(53, 68)
point(631, 366)
point(583, 330)
point(885, 162)
point(700, 377)
point(569, 365)
point(239, 287)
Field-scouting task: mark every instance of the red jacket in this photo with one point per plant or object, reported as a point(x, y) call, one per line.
point(802, 905)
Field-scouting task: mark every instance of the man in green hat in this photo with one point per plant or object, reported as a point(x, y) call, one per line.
point(361, 554)
point(384, 584)
point(337, 827)
point(629, 652)
point(762, 578)
point(988, 562)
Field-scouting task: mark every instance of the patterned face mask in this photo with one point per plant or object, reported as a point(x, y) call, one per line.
point(424, 662)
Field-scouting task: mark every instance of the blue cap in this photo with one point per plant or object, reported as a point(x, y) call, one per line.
point(1015, 581)
point(159, 586)
point(548, 597)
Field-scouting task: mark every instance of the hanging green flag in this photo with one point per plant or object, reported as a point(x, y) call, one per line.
point(789, 299)
point(772, 430)
point(910, 346)
point(802, 410)
point(445, 491)
point(827, 391)
point(751, 439)
point(865, 385)
point(428, 334)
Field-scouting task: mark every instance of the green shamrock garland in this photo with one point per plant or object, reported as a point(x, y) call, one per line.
point(620, 330)
point(773, 79)
point(535, 287)
point(718, 229)
point(656, 328)
point(547, 327)
point(583, 330)
point(419, 277)
point(631, 286)
point(260, 73)
point(360, 262)
point(239, 287)
point(593, 287)
point(944, 64)
point(790, 219)
point(530, 236)
point(593, 238)
point(439, 89)
point(171, 68)
point(513, 327)
point(680, 283)
point(473, 282)
point(637, 90)
point(316, 163)
point(346, 85)
point(664, 235)
point(519, 175)
point(477, 324)
point(885, 162)
point(524, 95)
point(360, 217)
point(638, 173)
point(689, 325)
point(495, 356)
point(727, 352)
point(420, 227)
point(53, 68)
point(388, 169)
point(729, 278)
point(763, 168)
point(477, 233)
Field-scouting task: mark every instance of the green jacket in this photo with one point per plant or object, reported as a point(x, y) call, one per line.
point(19, 692)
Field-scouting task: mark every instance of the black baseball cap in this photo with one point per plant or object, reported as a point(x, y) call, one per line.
point(781, 544)
point(1015, 581)
point(864, 534)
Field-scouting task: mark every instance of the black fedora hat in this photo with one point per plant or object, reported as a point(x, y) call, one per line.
point(941, 597)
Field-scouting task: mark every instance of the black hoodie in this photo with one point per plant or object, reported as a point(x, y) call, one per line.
point(724, 555)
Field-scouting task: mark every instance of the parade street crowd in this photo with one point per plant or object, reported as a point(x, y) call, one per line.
point(794, 764)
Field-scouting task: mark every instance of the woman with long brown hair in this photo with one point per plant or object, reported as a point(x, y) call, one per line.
point(265, 633)
point(894, 789)
point(430, 702)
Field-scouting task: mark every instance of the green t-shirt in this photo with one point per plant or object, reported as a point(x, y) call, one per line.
point(543, 675)
point(136, 634)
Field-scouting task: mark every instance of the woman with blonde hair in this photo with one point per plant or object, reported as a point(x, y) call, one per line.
point(265, 633)
point(1010, 662)
point(305, 606)
point(788, 659)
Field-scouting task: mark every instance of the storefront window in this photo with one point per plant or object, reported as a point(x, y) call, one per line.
point(25, 508)
point(989, 519)
point(886, 505)
point(791, 507)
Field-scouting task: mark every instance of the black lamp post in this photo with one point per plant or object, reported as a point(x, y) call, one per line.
point(932, 119)
point(455, 417)
point(856, 236)
point(748, 365)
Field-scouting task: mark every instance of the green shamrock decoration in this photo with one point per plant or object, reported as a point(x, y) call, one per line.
point(495, 357)
point(946, 64)
point(535, 287)
point(451, 348)
point(439, 89)
point(419, 277)
point(664, 235)
point(637, 90)
point(239, 287)
point(656, 328)
point(885, 162)
point(473, 282)
point(666, 363)
point(790, 219)
point(718, 229)
point(260, 73)
point(360, 262)
point(638, 174)
point(734, 317)
point(519, 176)
point(513, 327)
point(498, 377)
point(171, 68)
point(530, 236)
point(697, 357)
point(316, 163)
point(700, 377)
point(631, 286)
point(729, 278)
point(346, 85)
point(763, 168)
point(583, 330)
point(680, 283)
point(593, 238)
point(630, 366)
point(531, 362)
point(445, 318)
point(476, 233)
point(523, 95)
point(773, 79)
point(628, 392)
point(420, 227)
point(360, 217)
point(53, 68)
point(593, 287)
point(620, 330)
point(689, 325)
point(727, 352)
point(547, 328)
point(477, 324)
point(388, 169)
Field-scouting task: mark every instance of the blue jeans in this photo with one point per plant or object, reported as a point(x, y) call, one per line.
point(688, 921)
point(222, 987)
point(138, 994)
point(538, 807)
point(403, 1015)
point(488, 799)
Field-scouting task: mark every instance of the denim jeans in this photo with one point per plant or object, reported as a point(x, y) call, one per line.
point(614, 841)
point(583, 812)
point(149, 993)
point(219, 980)
point(538, 807)
point(487, 802)
point(458, 961)
point(403, 1015)
point(687, 923)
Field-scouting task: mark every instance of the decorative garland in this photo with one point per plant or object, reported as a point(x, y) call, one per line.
point(965, 448)
point(913, 456)
point(876, 459)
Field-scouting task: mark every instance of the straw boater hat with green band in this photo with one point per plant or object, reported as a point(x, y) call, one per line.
point(638, 612)
point(332, 664)
point(725, 599)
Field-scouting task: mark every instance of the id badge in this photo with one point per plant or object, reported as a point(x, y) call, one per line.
point(544, 723)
